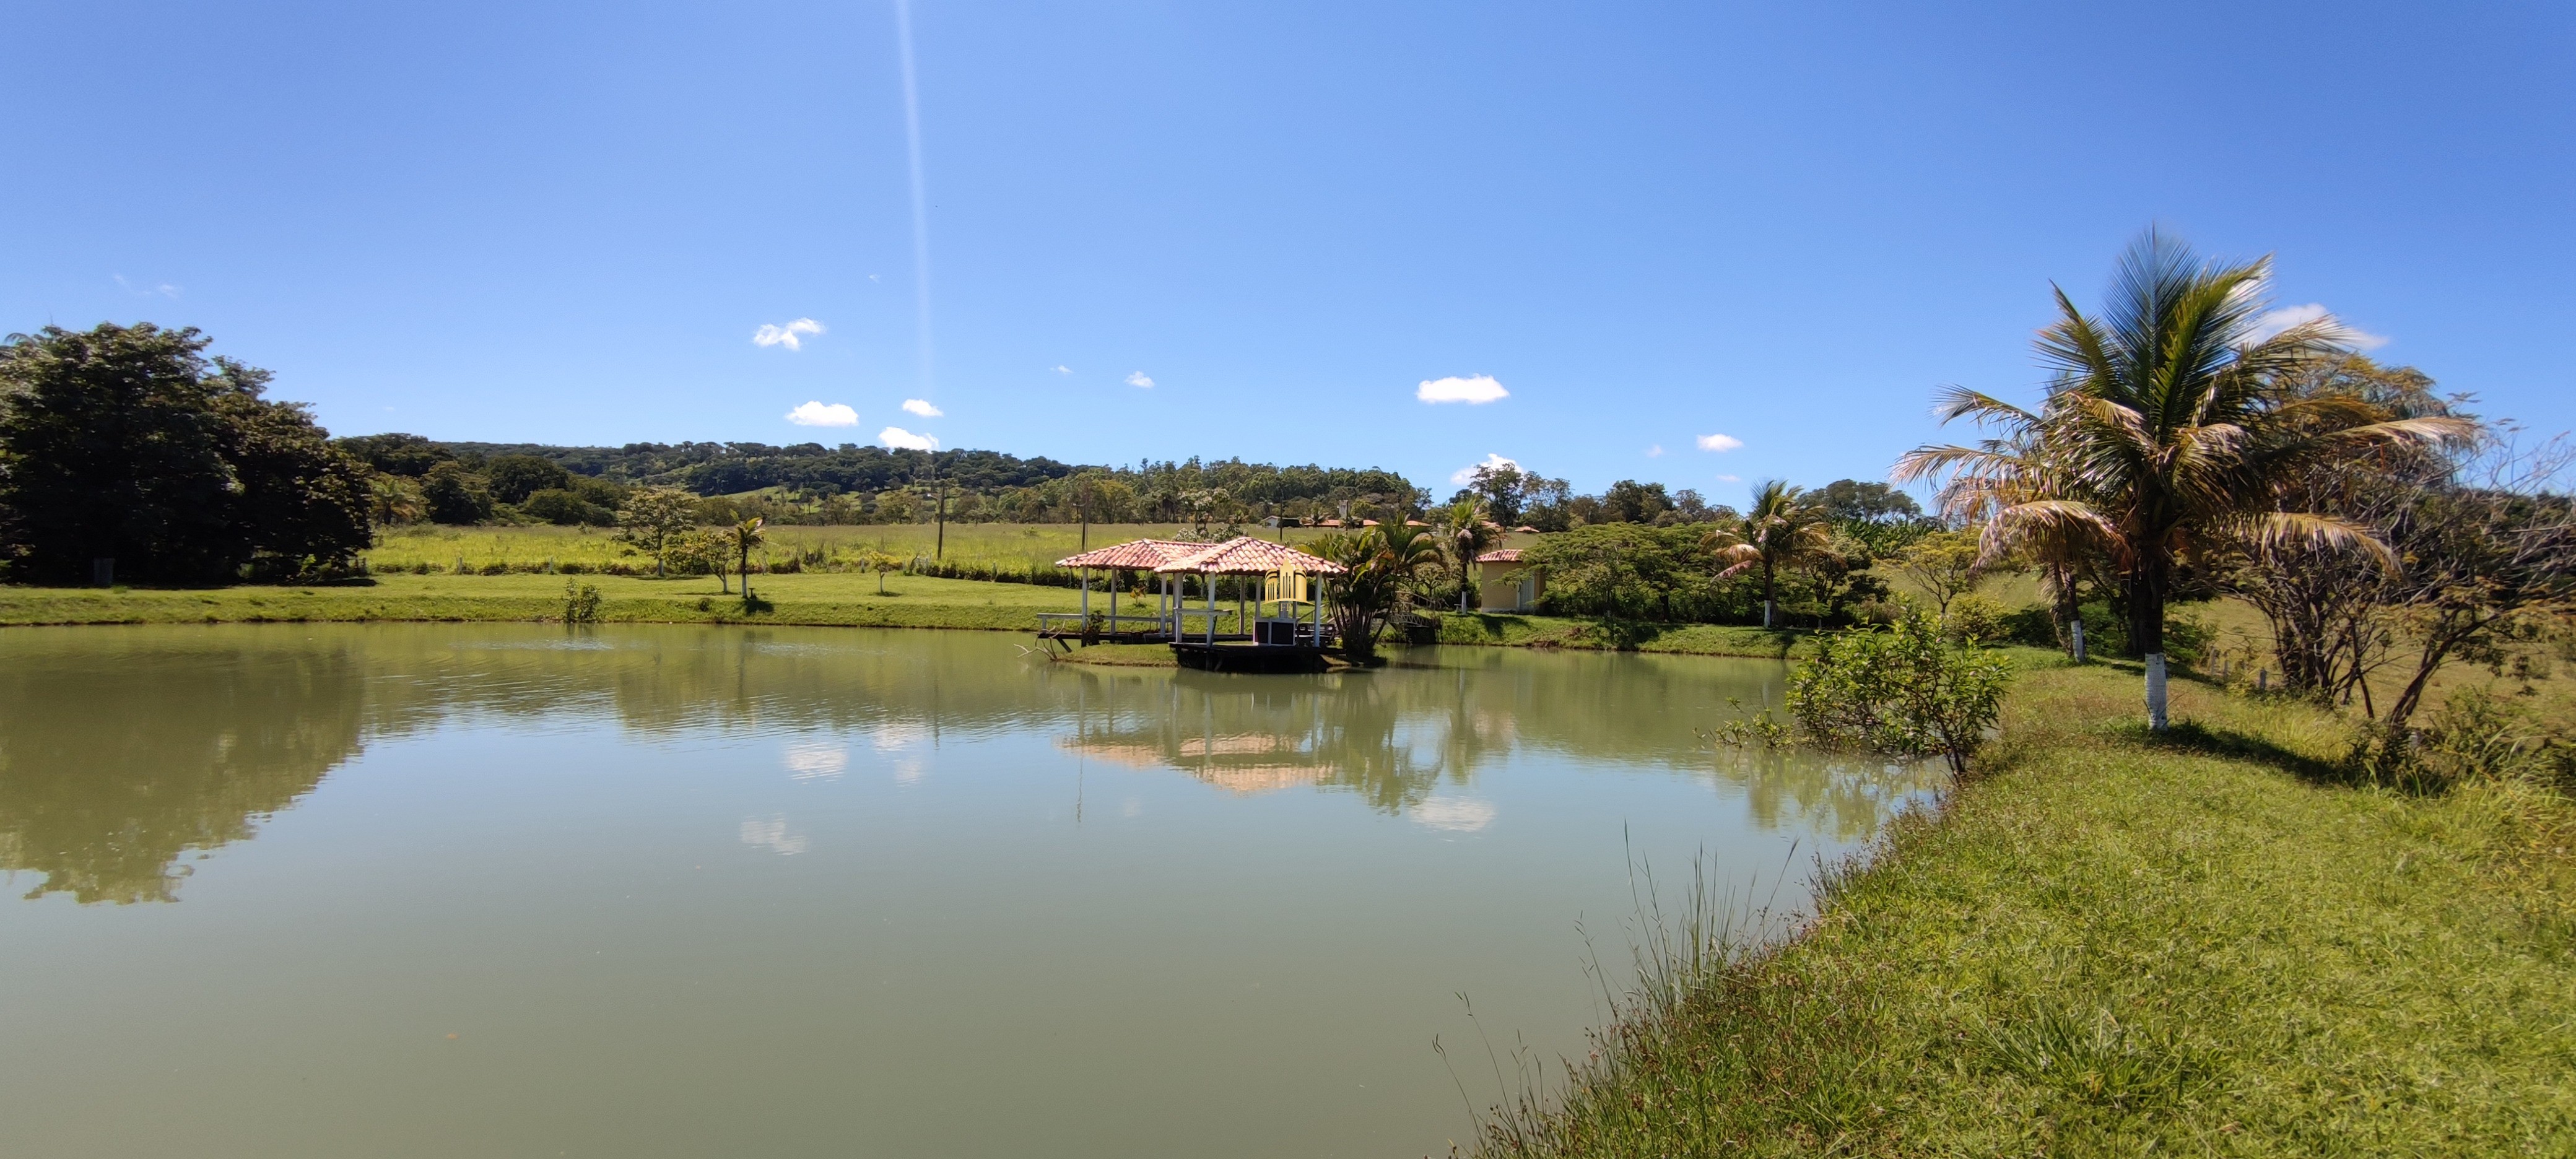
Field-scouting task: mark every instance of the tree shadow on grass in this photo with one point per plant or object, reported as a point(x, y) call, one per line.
point(2192, 736)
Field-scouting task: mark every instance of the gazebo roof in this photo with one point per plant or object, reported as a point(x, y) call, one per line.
point(1134, 555)
point(1244, 555)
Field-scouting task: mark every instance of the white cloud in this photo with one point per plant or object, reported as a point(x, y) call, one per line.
point(822, 414)
point(903, 440)
point(786, 335)
point(1476, 390)
point(1456, 814)
point(1493, 462)
point(815, 761)
point(1655, 452)
point(773, 835)
point(164, 289)
point(922, 407)
point(1719, 442)
point(2274, 321)
point(1137, 380)
point(1730, 478)
point(1063, 369)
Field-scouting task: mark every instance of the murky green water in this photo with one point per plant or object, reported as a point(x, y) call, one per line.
point(486, 890)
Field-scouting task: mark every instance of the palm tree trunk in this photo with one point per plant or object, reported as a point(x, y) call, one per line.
point(2147, 634)
point(1767, 600)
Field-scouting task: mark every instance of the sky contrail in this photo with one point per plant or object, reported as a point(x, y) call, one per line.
point(920, 198)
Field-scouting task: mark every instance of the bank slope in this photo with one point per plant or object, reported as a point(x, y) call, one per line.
point(2115, 945)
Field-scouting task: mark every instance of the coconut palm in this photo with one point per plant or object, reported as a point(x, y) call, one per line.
point(745, 536)
point(1468, 533)
point(2168, 426)
point(1780, 529)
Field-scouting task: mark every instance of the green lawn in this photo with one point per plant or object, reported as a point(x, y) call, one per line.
point(2114, 945)
point(1013, 546)
point(831, 598)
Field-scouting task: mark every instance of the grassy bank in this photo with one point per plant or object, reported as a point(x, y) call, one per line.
point(2110, 944)
point(811, 598)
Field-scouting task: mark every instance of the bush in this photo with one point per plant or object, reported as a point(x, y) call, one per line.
point(581, 603)
point(2032, 624)
point(1975, 619)
point(1903, 692)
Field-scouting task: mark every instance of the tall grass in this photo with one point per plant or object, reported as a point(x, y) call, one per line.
point(2115, 943)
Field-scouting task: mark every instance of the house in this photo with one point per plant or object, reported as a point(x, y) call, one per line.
point(1510, 585)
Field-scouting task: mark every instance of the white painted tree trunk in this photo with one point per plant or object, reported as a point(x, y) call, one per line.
point(1766, 613)
point(2156, 691)
point(2079, 641)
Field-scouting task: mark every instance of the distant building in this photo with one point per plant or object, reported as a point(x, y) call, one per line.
point(1510, 584)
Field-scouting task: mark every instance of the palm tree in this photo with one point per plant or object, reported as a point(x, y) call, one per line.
point(1380, 562)
point(745, 536)
point(1465, 527)
point(1780, 529)
point(2168, 426)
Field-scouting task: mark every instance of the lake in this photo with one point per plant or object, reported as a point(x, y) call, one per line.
point(436, 890)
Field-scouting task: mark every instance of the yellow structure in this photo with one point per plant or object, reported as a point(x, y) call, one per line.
point(1508, 583)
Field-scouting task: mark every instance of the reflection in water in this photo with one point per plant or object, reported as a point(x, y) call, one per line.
point(123, 749)
point(115, 764)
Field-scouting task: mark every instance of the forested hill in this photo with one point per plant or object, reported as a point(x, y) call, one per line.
point(730, 468)
point(812, 468)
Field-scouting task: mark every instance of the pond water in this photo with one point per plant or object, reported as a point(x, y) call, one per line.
point(435, 890)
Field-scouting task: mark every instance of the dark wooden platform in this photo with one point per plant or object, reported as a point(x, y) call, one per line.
point(1239, 656)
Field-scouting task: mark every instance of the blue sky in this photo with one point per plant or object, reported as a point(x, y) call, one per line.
point(1784, 224)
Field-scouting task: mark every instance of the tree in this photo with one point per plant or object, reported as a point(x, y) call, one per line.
point(1464, 529)
point(653, 519)
point(745, 537)
point(512, 478)
point(1499, 485)
point(1945, 565)
point(1779, 530)
point(882, 562)
point(1852, 501)
point(2168, 420)
point(409, 456)
point(1904, 692)
point(1629, 501)
point(455, 494)
point(128, 444)
point(1379, 562)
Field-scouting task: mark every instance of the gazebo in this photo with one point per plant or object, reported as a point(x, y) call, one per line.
point(1288, 640)
point(1134, 555)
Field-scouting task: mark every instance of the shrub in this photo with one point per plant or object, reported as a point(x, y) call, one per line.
point(581, 603)
point(1903, 692)
point(1976, 619)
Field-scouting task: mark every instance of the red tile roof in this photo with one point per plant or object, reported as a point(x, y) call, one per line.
point(1244, 555)
point(1134, 555)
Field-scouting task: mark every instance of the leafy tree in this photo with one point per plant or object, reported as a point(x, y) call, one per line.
point(455, 494)
point(1781, 529)
point(1945, 565)
point(127, 443)
point(2170, 421)
point(1499, 485)
point(1852, 501)
point(567, 508)
point(512, 478)
point(409, 456)
point(653, 520)
point(1629, 501)
point(882, 562)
